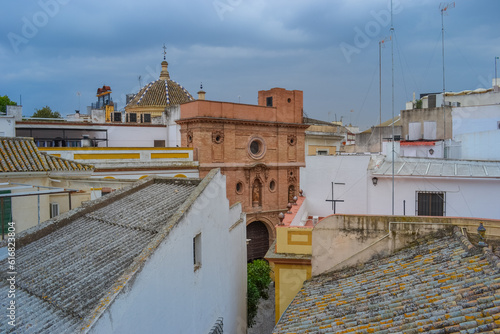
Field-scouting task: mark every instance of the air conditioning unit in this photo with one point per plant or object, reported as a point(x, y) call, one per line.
point(54, 210)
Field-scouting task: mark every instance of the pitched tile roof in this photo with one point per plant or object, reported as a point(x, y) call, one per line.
point(66, 277)
point(21, 155)
point(439, 286)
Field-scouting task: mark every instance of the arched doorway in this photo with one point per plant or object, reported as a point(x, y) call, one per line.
point(258, 243)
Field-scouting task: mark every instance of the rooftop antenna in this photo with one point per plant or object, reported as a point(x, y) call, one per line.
point(78, 94)
point(381, 44)
point(496, 83)
point(444, 7)
point(392, 71)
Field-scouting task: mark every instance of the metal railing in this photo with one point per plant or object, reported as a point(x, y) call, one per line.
point(218, 328)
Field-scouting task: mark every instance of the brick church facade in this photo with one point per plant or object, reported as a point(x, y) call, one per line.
point(259, 148)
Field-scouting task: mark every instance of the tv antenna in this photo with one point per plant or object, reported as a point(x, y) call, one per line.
point(444, 7)
point(381, 44)
point(78, 94)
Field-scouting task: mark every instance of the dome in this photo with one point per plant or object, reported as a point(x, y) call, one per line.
point(163, 92)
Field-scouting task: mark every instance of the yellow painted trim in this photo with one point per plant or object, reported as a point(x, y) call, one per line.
point(98, 188)
point(143, 177)
point(56, 155)
point(107, 156)
point(115, 148)
point(287, 295)
point(300, 235)
point(105, 93)
point(180, 175)
point(109, 177)
point(169, 155)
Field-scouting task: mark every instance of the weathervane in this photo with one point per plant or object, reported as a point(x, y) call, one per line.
point(164, 52)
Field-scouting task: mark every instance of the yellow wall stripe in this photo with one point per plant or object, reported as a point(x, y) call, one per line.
point(169, 155)
point(107, 156)
point(115, 148)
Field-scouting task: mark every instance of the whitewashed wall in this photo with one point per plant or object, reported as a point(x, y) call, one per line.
point(7, 126)
point(134, 136)
point(465, 197)
point(169, 296)
point(173, 129)
point(321, 171)
point(475, 119)
point(477, 197)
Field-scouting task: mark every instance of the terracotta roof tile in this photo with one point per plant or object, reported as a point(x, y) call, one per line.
point(161, 93)
point(441, 286)
point(22, 155)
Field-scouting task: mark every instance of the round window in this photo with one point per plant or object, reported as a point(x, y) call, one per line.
point(256, 147)
point(272, 185)
point(239, 187)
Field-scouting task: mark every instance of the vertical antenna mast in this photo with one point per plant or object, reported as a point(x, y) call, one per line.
point(392, 61)
point(444, 7)
point(380, 45)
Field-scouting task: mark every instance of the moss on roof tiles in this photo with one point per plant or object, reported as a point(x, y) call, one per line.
point(22, 155)
point(64, 276)
point(432, 287)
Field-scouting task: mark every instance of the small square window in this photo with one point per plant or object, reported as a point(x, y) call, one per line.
point(159, 143)
point(430, 203)
point(197, 251)
point(269, 101)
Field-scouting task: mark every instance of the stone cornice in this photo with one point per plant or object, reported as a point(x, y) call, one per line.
point(206, 119)
point(250, 165)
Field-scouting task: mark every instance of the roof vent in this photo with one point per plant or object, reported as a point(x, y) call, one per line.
point(315, 220)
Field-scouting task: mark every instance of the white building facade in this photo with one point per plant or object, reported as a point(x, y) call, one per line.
point(363, 185)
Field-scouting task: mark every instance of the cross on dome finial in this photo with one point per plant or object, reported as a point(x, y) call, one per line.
point(164, 52)
point(201, 85)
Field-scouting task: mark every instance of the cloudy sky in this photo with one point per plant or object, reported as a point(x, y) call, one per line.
point(58, 52)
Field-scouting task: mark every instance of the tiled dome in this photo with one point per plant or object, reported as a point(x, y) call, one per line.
point(163, 92)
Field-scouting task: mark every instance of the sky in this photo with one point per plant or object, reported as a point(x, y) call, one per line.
point(58, 52)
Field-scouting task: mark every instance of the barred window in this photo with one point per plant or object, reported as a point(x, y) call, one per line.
point(430, 203)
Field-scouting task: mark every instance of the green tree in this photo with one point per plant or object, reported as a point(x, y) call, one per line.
point(46, 112)
point(4, 102)
point(258, 273)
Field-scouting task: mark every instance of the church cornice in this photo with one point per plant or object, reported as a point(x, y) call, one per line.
point(221, 120)
point(229, 166)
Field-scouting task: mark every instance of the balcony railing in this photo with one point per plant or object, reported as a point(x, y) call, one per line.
point(218, 328)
